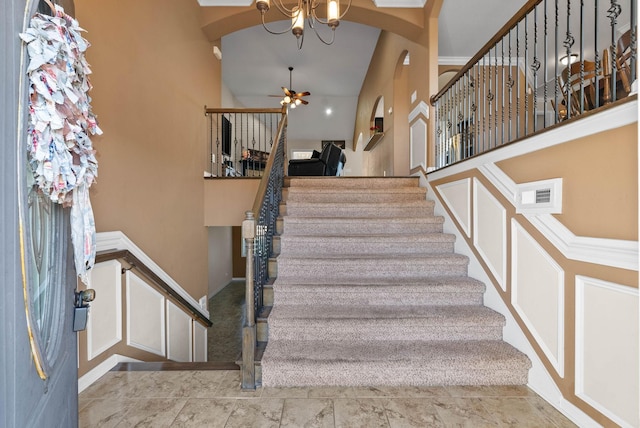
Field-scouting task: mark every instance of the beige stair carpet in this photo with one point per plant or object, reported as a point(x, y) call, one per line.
point(369, 292)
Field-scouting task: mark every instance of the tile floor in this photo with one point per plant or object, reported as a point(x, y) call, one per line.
point(214, 399)
point(224, 337)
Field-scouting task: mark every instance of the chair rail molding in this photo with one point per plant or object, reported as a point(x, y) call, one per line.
point(609, 252)
point(117, 240)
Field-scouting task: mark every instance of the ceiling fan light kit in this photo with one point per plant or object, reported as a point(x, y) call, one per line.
point(305, 10)
point(291, 97)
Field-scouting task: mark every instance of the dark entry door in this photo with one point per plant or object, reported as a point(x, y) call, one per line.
point(38, 368)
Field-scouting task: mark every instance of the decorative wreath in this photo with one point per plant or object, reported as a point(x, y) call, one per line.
point(60, 151)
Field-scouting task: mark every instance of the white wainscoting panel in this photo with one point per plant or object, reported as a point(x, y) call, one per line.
point(104, 327)
point(179, 334)
point(457, 197)
point(537, 294)
point(145, 316)
point(418, 144)
point(199, 342)
point(607, 356)
point(490, 231)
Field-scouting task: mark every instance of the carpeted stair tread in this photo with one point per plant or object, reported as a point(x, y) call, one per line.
point(372, 238)
point(392, 291)
point(371, 244)
point(319, 226)
point(428, 315)
point(442, 283)
point(352, 182)
point(339, 363)
point(356, 258)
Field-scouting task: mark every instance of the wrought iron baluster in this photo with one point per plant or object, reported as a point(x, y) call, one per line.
point(495, 92)
point(582, 106)
point(535, 66)
point(612, 13)
point(510, 85)
point(599, 67)
point(518, 81)
point(503, 89)
point(545, 65)
point(634, 39)
point(558, 117)
point(525, 72)
point(566, 74)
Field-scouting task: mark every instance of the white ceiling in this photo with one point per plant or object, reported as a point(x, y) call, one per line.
point(254, 63)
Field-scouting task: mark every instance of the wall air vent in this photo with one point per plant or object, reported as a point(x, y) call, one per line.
point(539, 197)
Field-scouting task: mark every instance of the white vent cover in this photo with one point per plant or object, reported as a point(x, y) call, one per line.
point(539, 197)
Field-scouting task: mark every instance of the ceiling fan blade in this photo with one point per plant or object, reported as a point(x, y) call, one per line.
point(277, 96)
point(287, 92)
point(305, 102)
point(303, 94)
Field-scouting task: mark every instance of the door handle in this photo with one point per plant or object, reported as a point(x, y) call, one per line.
point(81, 309)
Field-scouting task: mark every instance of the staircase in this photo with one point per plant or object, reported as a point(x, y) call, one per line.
point(369, 292)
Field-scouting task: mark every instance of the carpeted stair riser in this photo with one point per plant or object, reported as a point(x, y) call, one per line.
point(373, 323)
point(352, 182)
point(394, 363)
point(347, 267)
point(392, 295)
point(348, 226)
point(376, 244)
point(358, 210)
point(322, 195)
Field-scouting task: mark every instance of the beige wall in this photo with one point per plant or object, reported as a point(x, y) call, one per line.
point(381, 79)
point(153, 72)
point(600, 186)
point(226, 200)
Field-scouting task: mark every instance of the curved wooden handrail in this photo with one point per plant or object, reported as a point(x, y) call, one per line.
point(528, 7)
point(138, 265)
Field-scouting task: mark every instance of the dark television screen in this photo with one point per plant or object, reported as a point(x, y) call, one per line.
point(226, 136)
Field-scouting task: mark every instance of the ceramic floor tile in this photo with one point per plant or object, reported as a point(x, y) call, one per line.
point(308, 413)
point(514, 412)
point(463, 412)
point(152, 412)
point(205, 412)
point(512, 391)
point(115, 385)
point(292, 392)
point(229, 387)
point(469, 391)
point(331, 392)
point(412, 412)
point(360, 412)
point(263, 413)
point(399, 392)
point(103, 412)
point(558, 419)
point(198, 384)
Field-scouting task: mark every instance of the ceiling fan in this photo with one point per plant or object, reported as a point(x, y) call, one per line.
point(292, 97)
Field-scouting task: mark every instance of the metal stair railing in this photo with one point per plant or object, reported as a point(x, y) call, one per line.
point(258, 229)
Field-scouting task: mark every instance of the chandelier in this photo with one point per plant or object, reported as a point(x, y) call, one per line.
point(306, 10)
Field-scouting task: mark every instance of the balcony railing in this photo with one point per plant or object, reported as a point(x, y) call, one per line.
point(552, 62)
point(240, 140)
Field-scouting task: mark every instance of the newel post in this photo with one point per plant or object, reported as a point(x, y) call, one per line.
point(249, 327)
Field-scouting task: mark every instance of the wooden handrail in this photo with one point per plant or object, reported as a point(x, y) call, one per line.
point(264, 182)
point(137, 264)
point(528, 7)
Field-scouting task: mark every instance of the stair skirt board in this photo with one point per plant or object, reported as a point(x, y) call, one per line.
point(369, 292)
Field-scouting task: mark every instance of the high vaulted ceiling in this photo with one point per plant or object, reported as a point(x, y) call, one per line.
point(254, 62)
